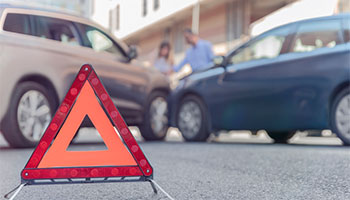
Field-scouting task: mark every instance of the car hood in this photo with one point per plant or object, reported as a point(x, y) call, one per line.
point(199, 76)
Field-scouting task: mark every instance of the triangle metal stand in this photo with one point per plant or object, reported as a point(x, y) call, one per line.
point(17, 189)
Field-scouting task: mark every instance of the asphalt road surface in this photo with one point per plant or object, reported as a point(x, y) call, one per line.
point(232, 166)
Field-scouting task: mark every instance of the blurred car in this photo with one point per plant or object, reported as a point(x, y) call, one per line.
point(293, 77)
point(41, 51)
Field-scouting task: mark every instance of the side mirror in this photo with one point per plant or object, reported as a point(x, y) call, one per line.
point(219, 60)
point(132, 54)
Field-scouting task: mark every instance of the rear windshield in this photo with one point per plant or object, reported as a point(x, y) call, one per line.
point(17, 23)
point(44, 27)
point(317, 34)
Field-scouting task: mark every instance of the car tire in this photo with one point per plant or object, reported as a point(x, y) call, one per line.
point(155, 126)
point(17, 118)
point(340, 116)
point(192, 119)
point(281, 137)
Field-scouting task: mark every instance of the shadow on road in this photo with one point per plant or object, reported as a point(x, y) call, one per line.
point(279, 145)
point(214, 142)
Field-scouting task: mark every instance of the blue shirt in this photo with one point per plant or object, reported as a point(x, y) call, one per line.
point(198, 56)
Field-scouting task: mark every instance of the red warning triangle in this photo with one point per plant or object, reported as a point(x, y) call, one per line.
point(87, 97)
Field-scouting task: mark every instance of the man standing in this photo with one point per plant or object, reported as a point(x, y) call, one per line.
point(199, 55)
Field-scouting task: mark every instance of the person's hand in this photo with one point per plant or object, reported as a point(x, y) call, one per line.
point(170, 71)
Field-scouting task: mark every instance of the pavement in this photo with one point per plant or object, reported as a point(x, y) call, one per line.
point(232, 166)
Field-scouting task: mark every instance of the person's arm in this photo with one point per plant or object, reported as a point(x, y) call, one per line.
point(181, 64)
point(210, 53)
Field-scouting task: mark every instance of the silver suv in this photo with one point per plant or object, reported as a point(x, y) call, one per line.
point(41, 51)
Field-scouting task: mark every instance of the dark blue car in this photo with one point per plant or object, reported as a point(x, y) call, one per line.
point(294, 77)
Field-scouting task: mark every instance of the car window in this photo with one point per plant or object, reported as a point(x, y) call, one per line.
point(99, 41)
point(17, 23)
point(268, 46)
point(316, 34)
point(55, 29)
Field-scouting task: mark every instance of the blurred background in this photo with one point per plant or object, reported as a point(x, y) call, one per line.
point(225, 23)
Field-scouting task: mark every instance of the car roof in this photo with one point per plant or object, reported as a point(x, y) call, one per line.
point(38, 8)
point(337, 16)
point(62, 12)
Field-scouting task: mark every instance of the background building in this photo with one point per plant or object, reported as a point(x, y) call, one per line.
point(225, 23)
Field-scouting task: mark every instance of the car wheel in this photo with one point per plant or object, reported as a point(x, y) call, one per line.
point(192, 119)
point(340, 116)
point(30, 112)
point(281, 137)
point(155, 124)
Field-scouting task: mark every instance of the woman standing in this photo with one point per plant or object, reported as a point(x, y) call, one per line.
point(163, 62)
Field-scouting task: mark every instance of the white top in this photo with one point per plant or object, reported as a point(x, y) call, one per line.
point(162, 65)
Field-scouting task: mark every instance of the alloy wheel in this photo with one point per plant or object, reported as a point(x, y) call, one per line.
point(33, 114)
point(342, 116)
point(190, 119)
point(159, 115)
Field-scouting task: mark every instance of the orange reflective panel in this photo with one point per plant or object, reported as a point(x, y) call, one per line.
point(116, 153)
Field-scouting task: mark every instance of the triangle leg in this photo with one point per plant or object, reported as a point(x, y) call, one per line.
point(16, 190)
point(153, 187)
point(154, 184)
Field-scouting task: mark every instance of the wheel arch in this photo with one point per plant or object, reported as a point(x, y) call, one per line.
point(160, 89)
point(44, 81)
point(157, 89)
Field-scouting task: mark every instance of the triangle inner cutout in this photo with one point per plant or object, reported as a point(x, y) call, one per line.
point(87, 133)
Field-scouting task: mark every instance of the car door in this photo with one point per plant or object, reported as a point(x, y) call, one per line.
point(316, 65)
point(251, 93)
point(125, 82)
